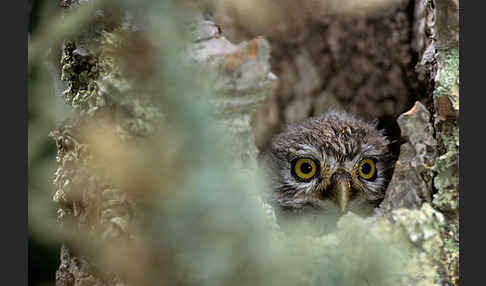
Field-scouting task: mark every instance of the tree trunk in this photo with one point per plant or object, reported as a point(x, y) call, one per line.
point(394, 62)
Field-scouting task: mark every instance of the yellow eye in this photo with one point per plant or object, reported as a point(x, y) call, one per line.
point(304, 168)
point(367, 169)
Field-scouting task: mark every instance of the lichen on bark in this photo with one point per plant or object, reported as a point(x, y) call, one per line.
point(113, 85)
point(119, 109)
point(446, 181)
point(107, 106)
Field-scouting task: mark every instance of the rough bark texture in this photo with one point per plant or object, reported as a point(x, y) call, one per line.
point(112, 105)
point(363, 64)
point(411, 184)
point(436, 34)
point(241, 85)
point(375, 66)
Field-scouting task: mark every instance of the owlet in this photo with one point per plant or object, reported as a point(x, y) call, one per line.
point(329, 164)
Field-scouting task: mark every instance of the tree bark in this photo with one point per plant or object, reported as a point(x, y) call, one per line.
point(376, 65)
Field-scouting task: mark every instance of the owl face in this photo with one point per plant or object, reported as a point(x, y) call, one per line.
point(330, 162)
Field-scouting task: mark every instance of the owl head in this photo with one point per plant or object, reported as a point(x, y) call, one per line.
point(333, 162)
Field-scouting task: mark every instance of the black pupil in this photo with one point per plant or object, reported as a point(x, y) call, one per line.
point(306, 168)
point(366, 168)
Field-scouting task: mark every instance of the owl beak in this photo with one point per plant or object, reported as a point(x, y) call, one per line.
point(342, 191)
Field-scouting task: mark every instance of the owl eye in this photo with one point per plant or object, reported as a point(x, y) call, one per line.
point(367, 169)
point(304, 168)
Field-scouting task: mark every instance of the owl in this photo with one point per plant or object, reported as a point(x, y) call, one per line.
point(329, 164)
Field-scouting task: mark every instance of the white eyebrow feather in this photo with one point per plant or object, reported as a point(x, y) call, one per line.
point(308, 150)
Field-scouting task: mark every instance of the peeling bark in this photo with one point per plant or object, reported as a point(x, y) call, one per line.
point(318, 68)
point(411, 184)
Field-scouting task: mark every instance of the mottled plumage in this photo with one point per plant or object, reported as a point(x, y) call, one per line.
point(329, 164)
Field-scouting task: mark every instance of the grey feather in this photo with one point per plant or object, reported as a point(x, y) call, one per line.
point(336, 141)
